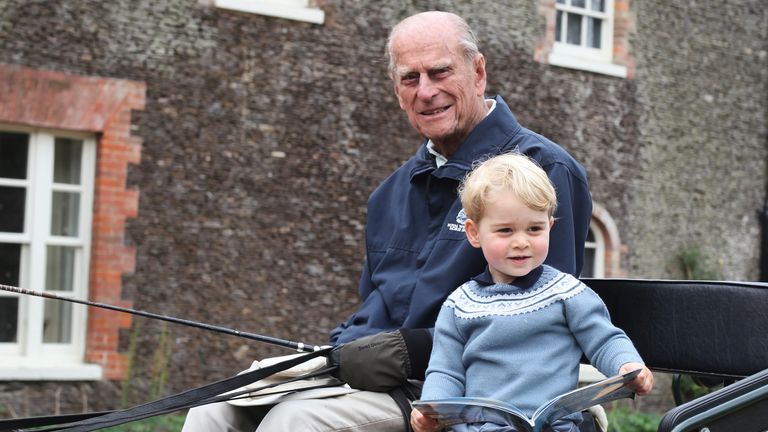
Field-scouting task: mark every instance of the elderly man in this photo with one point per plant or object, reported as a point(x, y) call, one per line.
point(417, 252)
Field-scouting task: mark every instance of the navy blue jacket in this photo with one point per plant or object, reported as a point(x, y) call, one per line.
point(416, 249)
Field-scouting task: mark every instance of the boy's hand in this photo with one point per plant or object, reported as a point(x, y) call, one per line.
point(643, 382)
point(422, 423)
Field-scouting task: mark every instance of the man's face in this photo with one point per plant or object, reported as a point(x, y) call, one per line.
point(439, 89)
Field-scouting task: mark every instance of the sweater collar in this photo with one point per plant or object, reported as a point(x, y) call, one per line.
point(522, 282)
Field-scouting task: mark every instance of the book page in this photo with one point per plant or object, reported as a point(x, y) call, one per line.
point(584, 397)
point(455, 410)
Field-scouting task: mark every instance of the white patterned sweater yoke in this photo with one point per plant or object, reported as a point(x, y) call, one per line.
point(522, 342)
point(470, 302)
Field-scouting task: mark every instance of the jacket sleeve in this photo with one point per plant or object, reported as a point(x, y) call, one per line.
point(418, 343)
point(572, 216)
point(364, 289)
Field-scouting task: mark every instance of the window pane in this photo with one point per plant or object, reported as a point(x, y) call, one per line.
point(60, 268)
point(589, 263)
point(12, 208)
point(598, 5)
point(57, 322)
point(574, 29)
point(594, 26)
point(9, 317)
point(10, 263)
point(64, 214)
point(66, 162)
point(578, 3)
point(13, 155)
point(561, 1)
point(559, 26)
point(10, 258)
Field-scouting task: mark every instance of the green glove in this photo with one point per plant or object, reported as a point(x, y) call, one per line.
point(382, 361)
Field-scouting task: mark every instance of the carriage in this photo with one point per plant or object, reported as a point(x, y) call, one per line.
point(714, 331)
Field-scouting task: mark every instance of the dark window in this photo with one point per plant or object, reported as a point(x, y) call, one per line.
point(9, 310)
point(13, 155)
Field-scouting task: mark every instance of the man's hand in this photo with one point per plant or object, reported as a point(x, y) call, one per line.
point(383, 361)
point(643, 382)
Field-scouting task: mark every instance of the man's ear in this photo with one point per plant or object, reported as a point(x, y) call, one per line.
point(470, 229)
point(480, 75)
point(397, 95)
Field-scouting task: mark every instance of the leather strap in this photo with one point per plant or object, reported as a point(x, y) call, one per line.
point(401, 397)
point(208, 393)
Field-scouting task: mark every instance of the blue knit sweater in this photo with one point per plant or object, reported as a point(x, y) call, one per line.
point(522, 343)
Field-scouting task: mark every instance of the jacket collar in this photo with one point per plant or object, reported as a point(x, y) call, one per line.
point(491, 136)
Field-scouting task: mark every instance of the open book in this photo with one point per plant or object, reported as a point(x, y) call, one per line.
point(455, 410)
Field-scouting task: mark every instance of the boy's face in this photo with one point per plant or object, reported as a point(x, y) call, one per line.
point(514, 237)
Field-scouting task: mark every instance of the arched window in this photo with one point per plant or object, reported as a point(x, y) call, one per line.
point(602, 252)
point(594, 253)
point(603, 247)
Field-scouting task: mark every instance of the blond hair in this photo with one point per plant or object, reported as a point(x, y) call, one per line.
point(507, 172)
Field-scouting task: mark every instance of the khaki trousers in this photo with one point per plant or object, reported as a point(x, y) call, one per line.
point(361, 411)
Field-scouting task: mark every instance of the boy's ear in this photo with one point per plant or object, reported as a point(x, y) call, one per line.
point(470, 229)
point(551, 222)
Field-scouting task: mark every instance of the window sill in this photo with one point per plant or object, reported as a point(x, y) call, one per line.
point(311, 15)
point(25, 370)
point(570, 62)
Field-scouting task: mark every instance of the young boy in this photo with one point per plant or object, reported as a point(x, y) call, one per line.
point(516, 333)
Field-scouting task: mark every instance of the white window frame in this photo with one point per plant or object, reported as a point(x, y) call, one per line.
point(30, 358)
point(598, 245)
point(298, 10)
point(581, 56)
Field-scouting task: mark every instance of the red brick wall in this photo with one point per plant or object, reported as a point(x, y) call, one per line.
point(623, 25)
point(102, 106)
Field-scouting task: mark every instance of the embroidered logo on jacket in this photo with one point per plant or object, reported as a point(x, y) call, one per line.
point(468, 303)
point(461, 218)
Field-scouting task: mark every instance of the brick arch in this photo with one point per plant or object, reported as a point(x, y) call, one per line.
point(102, 106)
point(602, 221)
